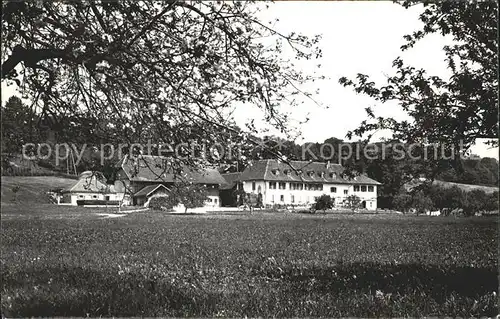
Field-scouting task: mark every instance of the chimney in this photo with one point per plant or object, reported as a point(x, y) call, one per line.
point(328, 164)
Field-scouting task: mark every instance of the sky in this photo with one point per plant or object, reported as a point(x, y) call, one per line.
point(357, 37)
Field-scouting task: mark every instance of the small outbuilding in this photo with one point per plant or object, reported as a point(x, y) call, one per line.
point(90, 187)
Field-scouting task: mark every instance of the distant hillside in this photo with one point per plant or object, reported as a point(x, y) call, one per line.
point(462, 186)
point(16, 165)
point(467, 187)
point(32, 189)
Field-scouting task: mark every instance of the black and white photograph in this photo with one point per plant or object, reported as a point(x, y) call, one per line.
point(249, 159)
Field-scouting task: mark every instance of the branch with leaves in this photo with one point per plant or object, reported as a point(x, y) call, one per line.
point(462, 108)
point(151, 69)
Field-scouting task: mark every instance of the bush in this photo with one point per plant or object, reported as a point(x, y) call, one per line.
point(352, 202)
point(324, 202)
point(252, 200)
point(421, 202)
point(491, 203)
point(190, 195)
point(161, 203)
point(403, 202)
point(15, 189)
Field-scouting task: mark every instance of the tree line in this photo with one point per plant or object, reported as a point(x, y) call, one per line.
point(21, 125)
point(448, 200)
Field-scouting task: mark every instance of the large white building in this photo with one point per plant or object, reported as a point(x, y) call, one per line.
point(300, 182)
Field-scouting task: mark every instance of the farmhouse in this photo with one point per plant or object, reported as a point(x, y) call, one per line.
point(90, 186)
point(229, 192)
point(141, 178)
point(300, 182)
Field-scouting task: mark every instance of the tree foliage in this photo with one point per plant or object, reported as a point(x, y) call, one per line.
point(421, 202)
point(160, 203)
point(18, 125)
point(402, 202)
point(128, 70)
point(446, 199)
point(461, 108)
point(470, 202)
point(482, 171)
point(188, 194)
point(324, 202)
point(352, 202)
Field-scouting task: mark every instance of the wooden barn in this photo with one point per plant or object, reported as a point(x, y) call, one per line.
point(138, 179)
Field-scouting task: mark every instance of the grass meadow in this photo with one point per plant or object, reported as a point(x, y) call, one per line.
point(68, 261)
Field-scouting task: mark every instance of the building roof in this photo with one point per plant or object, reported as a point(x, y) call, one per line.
point(148, 168)
point(147, 190)
point(89, 184)
point(231, 180)
point(87, 174)
point(301, 171)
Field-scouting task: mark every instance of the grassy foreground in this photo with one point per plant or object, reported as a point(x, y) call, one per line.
point(65, 261)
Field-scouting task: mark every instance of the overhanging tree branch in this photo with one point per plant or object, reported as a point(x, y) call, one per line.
point(30, 57)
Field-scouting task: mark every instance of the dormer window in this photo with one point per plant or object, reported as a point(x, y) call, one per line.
point(321, 174)
point(298, 172)
point(287, 172)
point(276, 171)
point(333, 175)
point(310, 173)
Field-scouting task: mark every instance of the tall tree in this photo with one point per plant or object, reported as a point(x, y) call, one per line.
point(19, 126)
point(461, 108)
point(167, 69)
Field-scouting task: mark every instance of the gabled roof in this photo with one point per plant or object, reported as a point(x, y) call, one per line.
point(301, 171)
point(148, 168)
point(90, 174)
point(89, 184)
point(231, 180)
point(147, 190)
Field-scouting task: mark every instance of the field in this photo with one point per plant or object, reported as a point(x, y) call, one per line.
point(68, 261)
point(32, 189)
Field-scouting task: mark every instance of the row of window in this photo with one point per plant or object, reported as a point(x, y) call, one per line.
point(357, 188)
point(282, 198)
point(313, 187)
point(292, 198)
point(93, 196)
point(294, 186)
point(334, 190)
point(363, 188)
point(299, 172)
